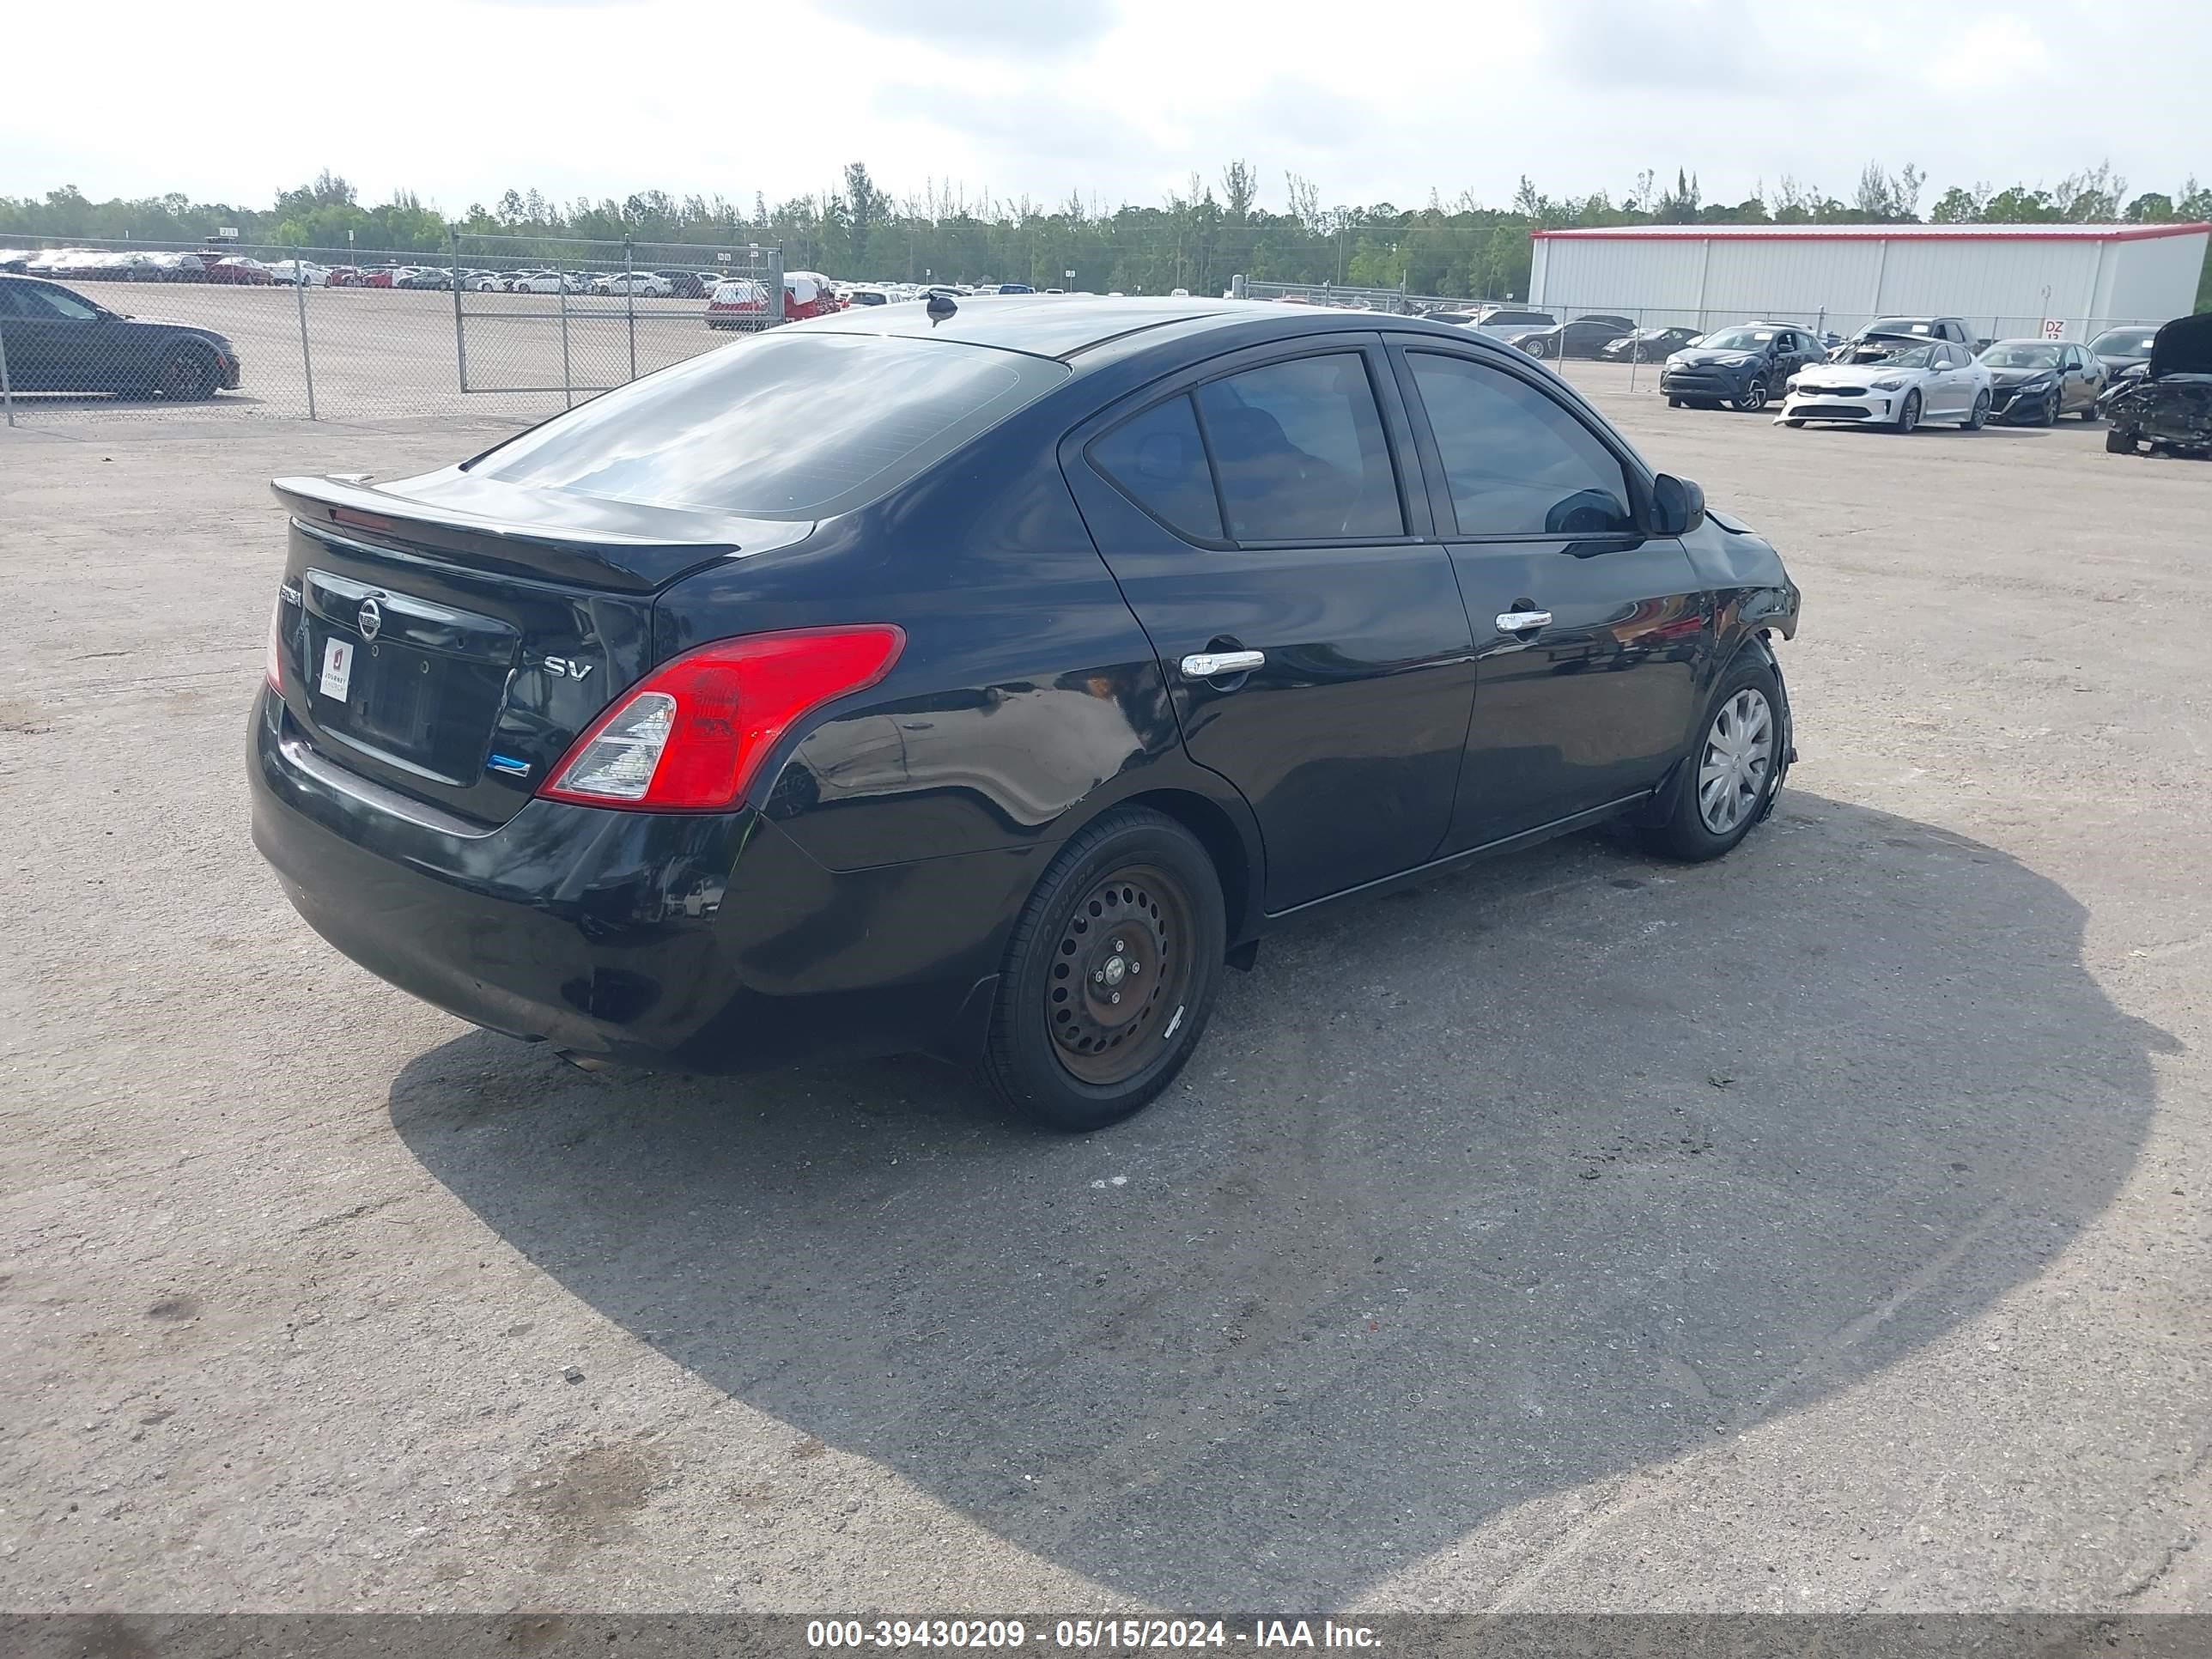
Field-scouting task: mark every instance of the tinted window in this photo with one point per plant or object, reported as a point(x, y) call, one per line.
point(39, 300)
point(1518, 463)
point(1159, 460)
point(1300, 451)
point(790, 424)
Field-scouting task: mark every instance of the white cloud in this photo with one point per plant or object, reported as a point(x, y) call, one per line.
point(459, 101)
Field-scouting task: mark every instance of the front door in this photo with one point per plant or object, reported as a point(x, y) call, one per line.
point(1261, 523)
point(1590, 633)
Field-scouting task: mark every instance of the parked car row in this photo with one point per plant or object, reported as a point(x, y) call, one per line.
point(110, 265)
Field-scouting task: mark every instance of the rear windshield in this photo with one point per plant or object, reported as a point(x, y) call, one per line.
point(790, 424)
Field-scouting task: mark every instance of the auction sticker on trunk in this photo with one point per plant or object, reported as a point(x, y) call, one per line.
point(338, 668)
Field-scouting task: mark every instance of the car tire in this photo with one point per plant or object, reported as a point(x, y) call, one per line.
point(1908, 415)
point(1753, 399)
point(2088, 413)
point(1732, 772)
point(1980, 418)
point(187, 375)
point(1790, 421)
point(1674, 403)
point(2117, 442)
point(2049, 415)
point(1130, 910)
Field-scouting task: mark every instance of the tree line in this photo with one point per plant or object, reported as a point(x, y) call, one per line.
point(1199, 237)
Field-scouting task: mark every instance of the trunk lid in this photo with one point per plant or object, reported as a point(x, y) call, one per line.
point(449, 637)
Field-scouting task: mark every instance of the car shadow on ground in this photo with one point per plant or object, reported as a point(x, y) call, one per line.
point(1536, 1175)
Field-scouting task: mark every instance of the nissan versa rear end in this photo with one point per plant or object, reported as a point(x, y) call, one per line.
point(982, 679)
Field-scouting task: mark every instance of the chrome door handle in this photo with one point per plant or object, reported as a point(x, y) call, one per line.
point(1216, 664)
point(1518, 622)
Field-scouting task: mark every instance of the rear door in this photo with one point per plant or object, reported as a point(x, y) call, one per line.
point(1590, 633)
point(1263, 521)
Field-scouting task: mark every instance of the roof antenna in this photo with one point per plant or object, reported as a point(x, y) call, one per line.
point(939, 308)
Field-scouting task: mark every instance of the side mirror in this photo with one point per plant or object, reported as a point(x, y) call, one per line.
point(1678, 505)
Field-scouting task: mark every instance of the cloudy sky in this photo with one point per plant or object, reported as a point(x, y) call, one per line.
point(458, 99)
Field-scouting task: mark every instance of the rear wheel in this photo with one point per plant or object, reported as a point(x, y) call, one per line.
point(1909, 416)
point(1110, 973)
point(1980, 418)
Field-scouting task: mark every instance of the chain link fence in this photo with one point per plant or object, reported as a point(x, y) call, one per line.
point(1620, 347)
point(97, 332)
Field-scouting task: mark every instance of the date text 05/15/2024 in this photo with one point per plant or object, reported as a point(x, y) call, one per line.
point(1086, 1635)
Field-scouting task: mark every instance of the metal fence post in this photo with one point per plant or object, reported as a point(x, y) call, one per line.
point(306, 356)
point(7, 392)
point(1236, 287)
point(460, 338)
point(775, 285)
point(630, 303)
point(568, 386)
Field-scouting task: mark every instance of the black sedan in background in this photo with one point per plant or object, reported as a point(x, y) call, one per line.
point(1647, 345)
point(2126, 347)
point(57, 340)
point(983, 679)
point(2036, 381)
point(1585, 336)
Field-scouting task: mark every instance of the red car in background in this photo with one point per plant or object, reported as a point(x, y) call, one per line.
point(740, 302)
point(239, 269)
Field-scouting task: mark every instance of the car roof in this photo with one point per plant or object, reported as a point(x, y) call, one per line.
point(1064, 327)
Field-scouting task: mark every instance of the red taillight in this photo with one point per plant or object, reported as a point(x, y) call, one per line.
point(691, 735)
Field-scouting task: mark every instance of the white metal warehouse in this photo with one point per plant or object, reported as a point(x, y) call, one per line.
point(2005, 281)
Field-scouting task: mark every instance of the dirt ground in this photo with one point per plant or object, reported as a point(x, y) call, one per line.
point(1822, 1229)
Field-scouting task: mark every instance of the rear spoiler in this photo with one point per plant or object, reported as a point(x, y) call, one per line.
point(600, 555)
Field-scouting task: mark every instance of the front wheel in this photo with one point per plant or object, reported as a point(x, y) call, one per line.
point(1909, 416)
point(2117, 442)
point(2049, 415)
point(1980, 418)
point(1753, 399)
point(1674, 403)
point(1789, 420)
point(1109, 976)
point(1734, 771)
point(188, 377)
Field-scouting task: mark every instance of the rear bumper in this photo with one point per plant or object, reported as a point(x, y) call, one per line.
point(681, 941)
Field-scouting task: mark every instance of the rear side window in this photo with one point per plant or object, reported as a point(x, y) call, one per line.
point(1300, 449)
point(790, 424)
point(1517, 463)
point(1159, 461)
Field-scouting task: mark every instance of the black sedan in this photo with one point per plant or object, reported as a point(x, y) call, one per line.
point(2036, 381)
point(1647, 345)
point(2126, 347)
point(54, 339)
point(1585, 337)
point(984, 677)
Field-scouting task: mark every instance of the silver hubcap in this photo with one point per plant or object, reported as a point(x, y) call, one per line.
point(1739, 754)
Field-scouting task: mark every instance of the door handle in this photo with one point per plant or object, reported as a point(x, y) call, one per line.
point(1218, 664)
point(1519, 621)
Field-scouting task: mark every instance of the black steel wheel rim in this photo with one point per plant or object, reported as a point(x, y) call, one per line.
point(1121, 974)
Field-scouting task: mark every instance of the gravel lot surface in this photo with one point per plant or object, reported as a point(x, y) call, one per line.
point(1822, 1229)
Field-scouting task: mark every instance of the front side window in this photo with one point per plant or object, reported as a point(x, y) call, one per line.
point(1301, 453)
point(1518, 464)
point(51, 302)
point(1159, 461)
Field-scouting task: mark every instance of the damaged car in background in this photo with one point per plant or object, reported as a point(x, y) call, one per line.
point(2168, 409)
point(1896, 380)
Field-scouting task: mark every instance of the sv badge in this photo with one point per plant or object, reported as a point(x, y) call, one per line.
point(568, 668)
